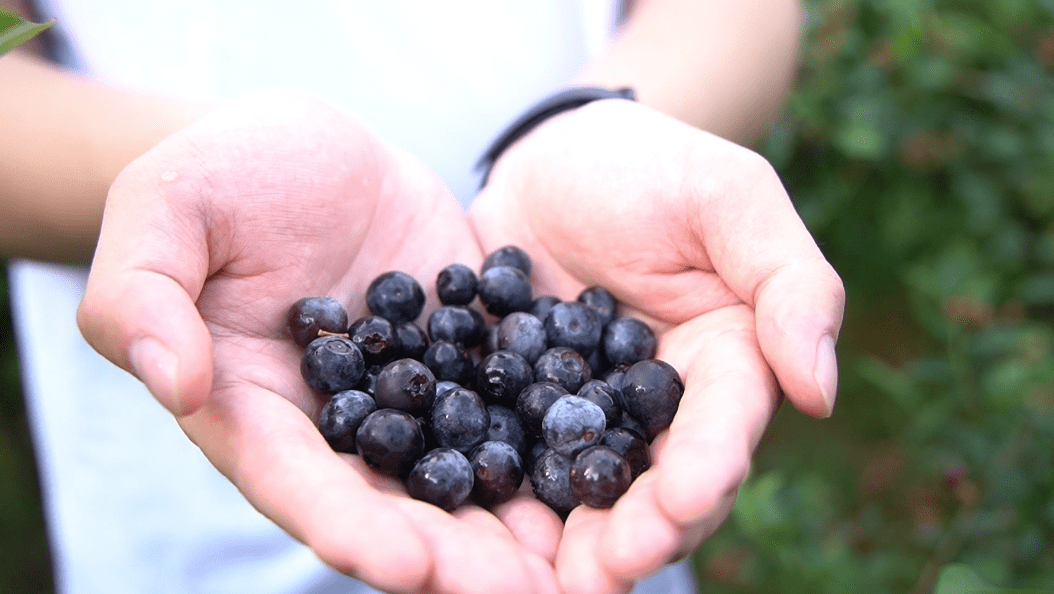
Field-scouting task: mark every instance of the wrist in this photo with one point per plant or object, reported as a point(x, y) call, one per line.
point(542, 111)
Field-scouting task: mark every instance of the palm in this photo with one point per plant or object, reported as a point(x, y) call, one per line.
point(674, 223)
point(308, 204)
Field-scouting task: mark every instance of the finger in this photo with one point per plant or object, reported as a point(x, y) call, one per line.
point(471, 558)
point(578, 566)
point(139, 306)
point(729, 399)
point(275, 456)
point(533, 524)
point(770, 261)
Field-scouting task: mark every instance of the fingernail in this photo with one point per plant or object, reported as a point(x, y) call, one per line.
point(826, 371)
point(156, 366)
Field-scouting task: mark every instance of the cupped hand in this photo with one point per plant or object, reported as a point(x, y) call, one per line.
point(206, 241)
point(698, 237)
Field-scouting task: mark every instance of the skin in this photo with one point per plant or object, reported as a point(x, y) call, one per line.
point(241, 209)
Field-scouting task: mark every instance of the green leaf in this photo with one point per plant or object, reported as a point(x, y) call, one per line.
point(15, 30)
point(961, 579)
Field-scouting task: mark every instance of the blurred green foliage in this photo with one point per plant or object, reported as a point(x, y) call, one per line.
point(919, 148)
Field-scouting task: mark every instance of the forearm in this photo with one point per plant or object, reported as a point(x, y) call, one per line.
point(64, 141)
point(721, 66)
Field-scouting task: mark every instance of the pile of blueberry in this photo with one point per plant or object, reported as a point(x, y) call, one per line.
point(465, 410)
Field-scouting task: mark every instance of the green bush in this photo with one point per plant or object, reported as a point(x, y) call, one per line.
point(919, 148)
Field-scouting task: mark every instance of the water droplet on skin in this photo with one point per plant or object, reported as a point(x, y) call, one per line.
point(169, 176)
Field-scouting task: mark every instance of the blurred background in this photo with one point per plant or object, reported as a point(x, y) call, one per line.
point(918, 145)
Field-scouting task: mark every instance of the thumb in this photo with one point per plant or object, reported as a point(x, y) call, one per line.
point(151, 262)
point(771, 261)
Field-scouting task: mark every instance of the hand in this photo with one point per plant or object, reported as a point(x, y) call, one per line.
point(698, 237)
point(206, 242)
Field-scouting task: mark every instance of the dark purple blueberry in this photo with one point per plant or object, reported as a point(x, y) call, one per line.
point(412, 340)
point(341, 417)
point(309, 315)
point(574, 325)
point(629, 423)
point(456, 285)
point(390, 441)
point(442, 477)
point(564, 366)
point(603, 395)
point(505, 426)
point(376, 338)
point(332, 364)
point(522, 333)
point(629, 445)
point(533, 454)
point(449, 362)
point(444, 385)
point(405, 384)
point(498, 472)
point(596, 363)
point(369, 379)
point(601, 301)
point(616, 376)
point(599, 476)
point(395, 296)
point(541, 306)
point(551, 481)
point(501, 376)
point(509, 255)
point(458, 324)
point(533, 402)
point(503, 290)
point(490, 341)
point(460, 419)
point(651, 391)
point(627, 340)
point(572, 424)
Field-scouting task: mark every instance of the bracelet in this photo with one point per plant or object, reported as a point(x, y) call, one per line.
point(543, 110)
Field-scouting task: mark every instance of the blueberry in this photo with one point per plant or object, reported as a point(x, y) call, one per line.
point(501, 376)
point(341, 417)
point(503, 290)
point(444, 385)
point(460, 419)
point(533, 454)
point(390, 441)
point(458, 324)
point(541, 305)
point(574, 325)
point(456, 285)
point(522, 333)
point(551, 481)
point(376, 338)
point(395, 296)
point(616, 376)
point(601, 301)
point(629, 445)
point(332, 364)
point(490, 340)
point(405, 384)
point(533, 402)
point(309, 315)
point(449, 362)
point(509, 255)
point(651, 391)
point(442, 477)
point(564, 366)
point(603, 395)
point(498, 473)
point(572, 424)
point(369, 379)
point(505, 426)
point(412, 340)
point(629, 423)
point(599, 476)
point(628, 340)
